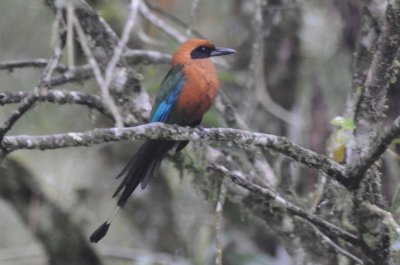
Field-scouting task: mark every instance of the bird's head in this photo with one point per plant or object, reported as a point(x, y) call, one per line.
point(195, 49)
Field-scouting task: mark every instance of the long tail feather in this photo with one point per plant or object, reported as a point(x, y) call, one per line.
point(140, 168)
point(101, 231)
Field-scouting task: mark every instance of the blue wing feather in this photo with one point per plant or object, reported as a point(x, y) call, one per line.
point(168, 94)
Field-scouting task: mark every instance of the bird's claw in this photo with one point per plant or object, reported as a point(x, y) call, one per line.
point(200, 128)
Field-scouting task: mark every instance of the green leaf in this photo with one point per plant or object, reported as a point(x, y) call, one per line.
point(348, 124)
point(344, 123)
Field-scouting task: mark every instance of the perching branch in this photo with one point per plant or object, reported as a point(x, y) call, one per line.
point(241, 138)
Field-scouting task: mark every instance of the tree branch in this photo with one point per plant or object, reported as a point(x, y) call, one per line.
point(133, 57)
point(273, 196)
point(77, 74)
point(146, 57)
point(371, 105)
point(60, 97)
point(35, 63)
point(161, 24)
point(377, 147)
point(163, 131)
point(157, 8)
point(29, 101)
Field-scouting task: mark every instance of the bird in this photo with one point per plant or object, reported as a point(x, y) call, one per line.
point(185, 95)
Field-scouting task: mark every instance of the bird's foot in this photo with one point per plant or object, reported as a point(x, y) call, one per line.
point(175, 126)
point(200, 128)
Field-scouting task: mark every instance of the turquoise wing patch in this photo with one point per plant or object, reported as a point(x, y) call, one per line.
point(168, 94)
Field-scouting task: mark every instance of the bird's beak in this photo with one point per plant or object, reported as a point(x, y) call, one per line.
point(222, 51)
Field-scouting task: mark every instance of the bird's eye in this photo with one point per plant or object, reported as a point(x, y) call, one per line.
point(201, 52)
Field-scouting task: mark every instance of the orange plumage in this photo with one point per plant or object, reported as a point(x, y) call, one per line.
point(201, 82)
point(185, 94)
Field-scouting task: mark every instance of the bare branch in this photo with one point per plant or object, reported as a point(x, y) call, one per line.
point(371, 105)
point(133, 56)
point(103, 42)
point(195, 4)
point(146, 57)
point(218, 222)
point(163, 131)
point(77, 74)
point(273, 196)
point(112, 64)
point(29, 101)
point(377, 147)
point(60, 97)
point(336, 247)
point(161, 24)
point(36, 63)
point(157, 8)
point(97, 73)
point(70, 34)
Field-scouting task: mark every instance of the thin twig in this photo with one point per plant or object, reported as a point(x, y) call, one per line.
point(255, 59)
point(195, 4)
point(39, 88)
point(97, 73)
point(336, 247)
point(161, 24)
point(77, 74)
point(105, 83)
point(70, 34)
point(36, 63)
point(155, 7)
point(255, 82)
point(224, 106)
point(133, 57)
point(218, 222)
point(89, 55)
point(60, 97)
point(116, 57)
point(146, 57)
point(274, 197)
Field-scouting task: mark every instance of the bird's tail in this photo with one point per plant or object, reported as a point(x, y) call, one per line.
point(140, 168)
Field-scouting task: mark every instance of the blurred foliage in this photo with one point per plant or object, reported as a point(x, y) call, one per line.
point(341, 140)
